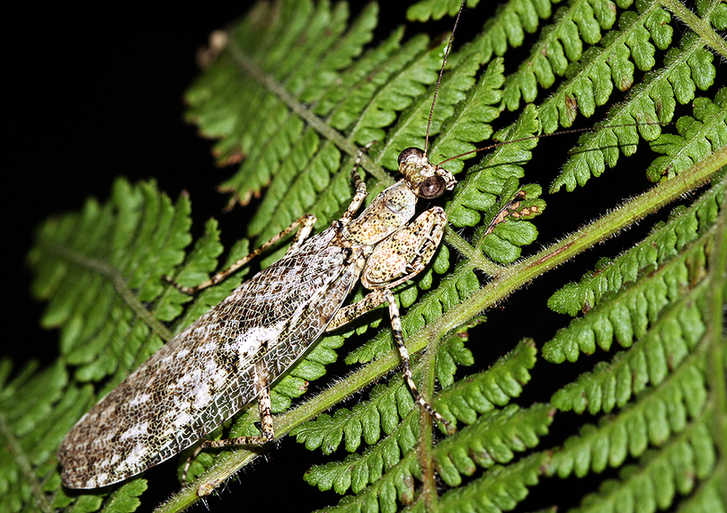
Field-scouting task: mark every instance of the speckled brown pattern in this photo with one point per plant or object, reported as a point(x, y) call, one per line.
point(207, 373)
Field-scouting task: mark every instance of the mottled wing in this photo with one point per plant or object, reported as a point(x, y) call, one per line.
point(204, 375)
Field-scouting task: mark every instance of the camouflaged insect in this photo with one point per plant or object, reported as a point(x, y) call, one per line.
point(232, 354)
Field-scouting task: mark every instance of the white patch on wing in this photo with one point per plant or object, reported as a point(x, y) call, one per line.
point(134, 431)
point(202, 396)
point(249, 341)
point(216, 374)
point(182, 419)
point(206, 348)
point(205, 329)
point(134, 457)
point(192, 377)
point(139, 399)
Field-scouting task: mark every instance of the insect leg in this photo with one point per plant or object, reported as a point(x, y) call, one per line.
point(304, 225)
point(404, 354)
point(360, 188)
point(369, 302)
point(262, 386)
point(357, 309)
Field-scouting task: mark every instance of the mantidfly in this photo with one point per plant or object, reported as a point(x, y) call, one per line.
point(233, 353)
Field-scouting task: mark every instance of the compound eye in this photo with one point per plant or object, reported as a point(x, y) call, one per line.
point(409, 152)
point(432, 187)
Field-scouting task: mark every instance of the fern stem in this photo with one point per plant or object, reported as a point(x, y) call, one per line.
point(119, 283)
point(473, 255)
point(13, 445)
point(515, 277)
point(301, 110)
point(698, 25)
point(718, 339)
point(424, 449)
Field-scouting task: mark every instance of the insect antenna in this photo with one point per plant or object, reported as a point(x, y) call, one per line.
point(439, 79)
point(559, 132)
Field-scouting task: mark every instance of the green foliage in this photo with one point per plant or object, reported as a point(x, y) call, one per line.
point(686, 68)
point(698, 137)
point(684, 226)
point(297, 90)
point(425, 9)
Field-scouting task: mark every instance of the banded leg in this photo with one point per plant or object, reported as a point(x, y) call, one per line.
point(359, 194)
point(368, 303)
point(304, 225)
point(406, 365)
point(262, 386)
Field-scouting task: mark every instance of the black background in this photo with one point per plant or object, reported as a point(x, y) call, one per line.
point(94, 95)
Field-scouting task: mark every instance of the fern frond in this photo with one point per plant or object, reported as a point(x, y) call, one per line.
point(608, 65)
point(87, 264)
point(388, 404)
point(628, 314)
point(382, 411)
point(511, 22)
point(498, 490)
point(483, 184)
point(656, 415)
point(560, 43)
point(357, 471)
point(280, 56)
point(490, 440)
point(493, 438)
point(425, 9)
point(482, 392)
point(470, 122)
point(673, 336)
point(683, 227)
point(31, 430)
point(659, 477)
point(707, 499)
point(685, 69)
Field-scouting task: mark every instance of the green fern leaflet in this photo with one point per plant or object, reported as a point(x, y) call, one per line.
point(621, 407)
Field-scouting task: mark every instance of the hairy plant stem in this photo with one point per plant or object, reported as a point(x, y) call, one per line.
point(21, 458)
point(718, 338)
point(425, 446)
point(505, 283)
point(701, 26)
point(473, 255)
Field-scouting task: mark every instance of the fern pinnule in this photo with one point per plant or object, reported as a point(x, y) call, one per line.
point(649, 361)
point(651, 420)
point(659, 476)
point(698, 137)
